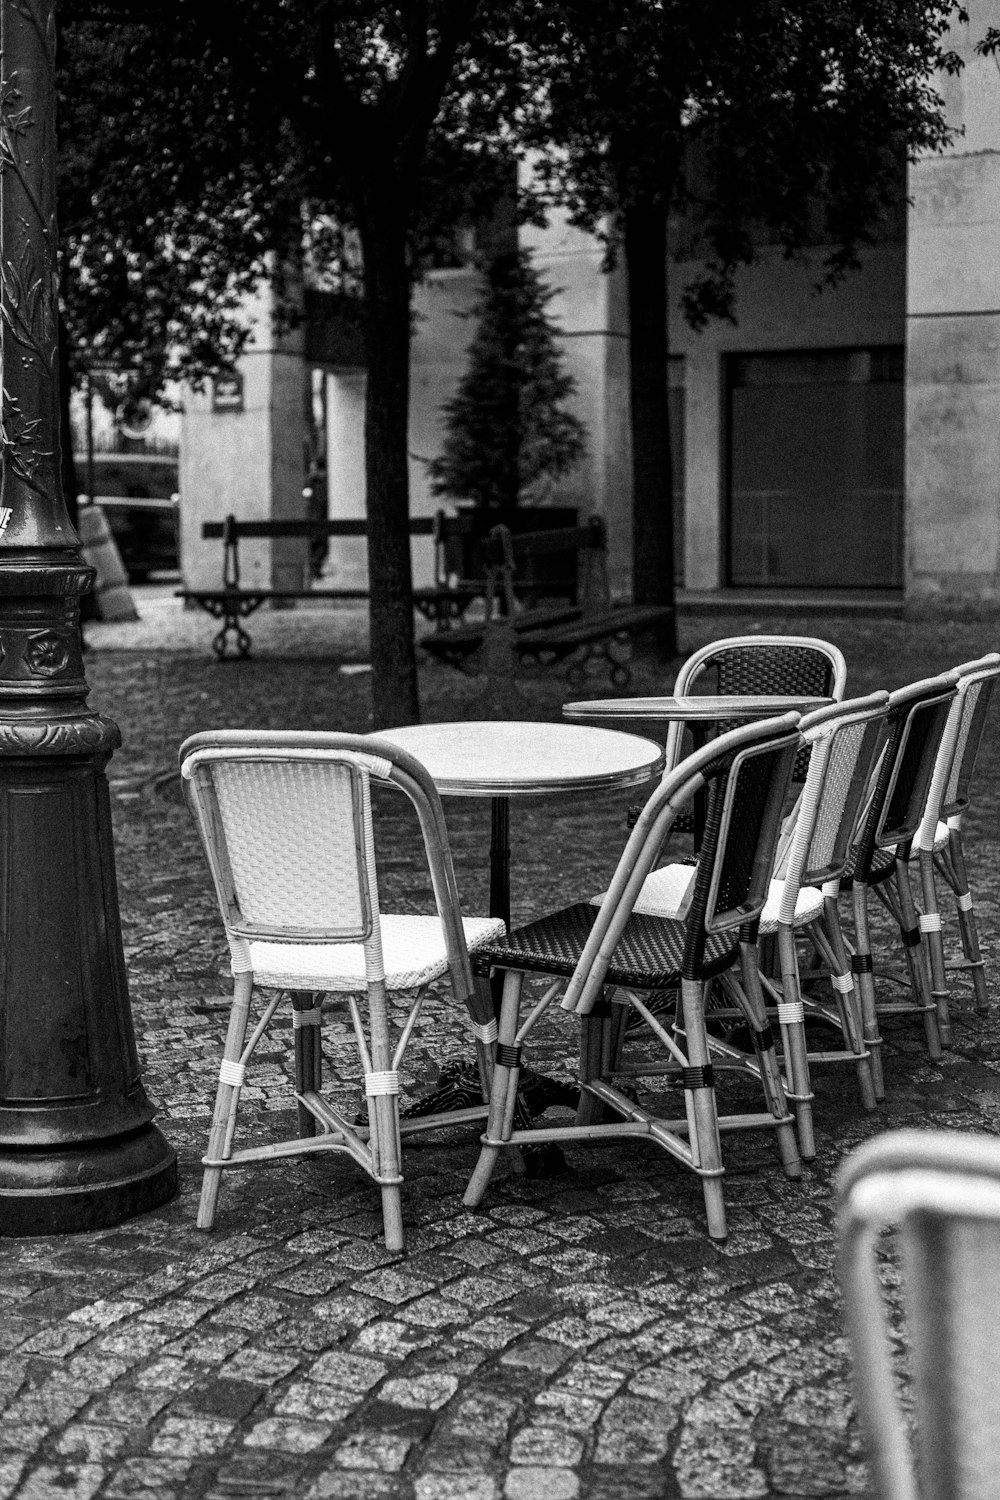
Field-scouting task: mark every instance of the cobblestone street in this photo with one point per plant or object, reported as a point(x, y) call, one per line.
point(577, 1336)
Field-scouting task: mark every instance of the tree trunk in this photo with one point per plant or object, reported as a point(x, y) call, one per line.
point(387, 338)
point(645, 236)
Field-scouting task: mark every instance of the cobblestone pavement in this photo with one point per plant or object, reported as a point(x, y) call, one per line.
point(577, 1336)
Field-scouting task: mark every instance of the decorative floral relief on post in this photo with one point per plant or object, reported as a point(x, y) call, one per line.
point(28, 283)
point(47, 653)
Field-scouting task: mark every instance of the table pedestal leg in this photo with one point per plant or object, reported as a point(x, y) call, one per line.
point(499, 879)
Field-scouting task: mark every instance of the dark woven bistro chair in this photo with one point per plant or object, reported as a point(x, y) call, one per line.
point(608, 953)
point(844, 740)
point(890, 816)
point(760, 665)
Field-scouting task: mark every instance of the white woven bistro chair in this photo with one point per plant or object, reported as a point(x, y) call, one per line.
point(938, 846)
point(286, 823)
point(940, 1192)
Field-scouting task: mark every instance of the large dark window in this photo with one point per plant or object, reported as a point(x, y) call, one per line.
point(815, 492)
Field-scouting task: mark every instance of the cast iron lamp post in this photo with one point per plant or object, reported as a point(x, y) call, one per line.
point(78, 1149)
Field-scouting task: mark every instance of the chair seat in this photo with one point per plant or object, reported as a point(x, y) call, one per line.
point(413, 951)
point(883, 864)
point(664, 894)
point(650, 951)
point(941, 840)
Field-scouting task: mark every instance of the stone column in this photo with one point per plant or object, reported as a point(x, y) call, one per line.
point(953, 343)
point(242, 450)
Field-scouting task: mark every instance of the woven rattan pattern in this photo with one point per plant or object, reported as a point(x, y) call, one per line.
point(906, 804)
point(774, 669)
point(754, 779)
point(292, 841)
point(838, 780)
point(649, 955)
point(880, 866)
point(963, 760)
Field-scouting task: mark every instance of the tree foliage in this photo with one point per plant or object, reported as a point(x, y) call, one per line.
point(507, 427)
point(725, 125)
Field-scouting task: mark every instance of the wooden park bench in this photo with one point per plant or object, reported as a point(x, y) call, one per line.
point(460, 571)
point(234, 601)
point(578, 633)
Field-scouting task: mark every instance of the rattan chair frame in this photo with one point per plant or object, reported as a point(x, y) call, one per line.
point(938, 846)
point(375, 1147)
point(695, 1139)
point(940, 1190)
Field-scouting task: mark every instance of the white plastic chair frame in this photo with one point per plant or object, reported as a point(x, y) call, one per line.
point(942, 1190)
point(706, 658)
point(938, 845)
point(349, 914)
point(890, 815)
point(694, 1140)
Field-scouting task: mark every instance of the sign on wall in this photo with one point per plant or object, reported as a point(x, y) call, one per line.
point(227, 392)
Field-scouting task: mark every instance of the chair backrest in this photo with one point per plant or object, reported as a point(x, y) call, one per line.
point(767, 664)
point(755, 665)
point(948, 795)
point(897, 791)
point(286, 822)
point(745, 775)
point(941, 1189)
point(844, 741)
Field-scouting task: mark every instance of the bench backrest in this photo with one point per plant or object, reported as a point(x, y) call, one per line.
point(509, 555)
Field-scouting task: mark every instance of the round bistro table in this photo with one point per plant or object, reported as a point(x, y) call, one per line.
point(703, 711)
point(501, 759)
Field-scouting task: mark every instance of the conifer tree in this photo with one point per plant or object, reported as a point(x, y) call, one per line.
point(508, 430)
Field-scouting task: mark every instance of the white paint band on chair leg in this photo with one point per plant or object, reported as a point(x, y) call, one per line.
point(790, 1012)
point(843, 983)
point(231, 1072)
point(302, 1018)
point(487, 1033)
point(964, 901)
point(381, 1083)
point(930, 922)
point(239, 955)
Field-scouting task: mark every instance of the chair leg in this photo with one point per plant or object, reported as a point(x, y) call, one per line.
point(791, 1018)
point(770, 1073)
point(594, 1050)
point(699, 1099)
point(308, 1040)
point(226, 1100)
point(861, 968)
point(383, 1116)
point(503, 1095)
point(967, 925)
point(847, 994)
point(909, 928)
point(931, 935)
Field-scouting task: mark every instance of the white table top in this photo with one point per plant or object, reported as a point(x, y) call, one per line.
point(499, 758)
point(693, 708)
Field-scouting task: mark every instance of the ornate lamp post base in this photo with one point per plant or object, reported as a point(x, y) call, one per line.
point(99, 1184)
